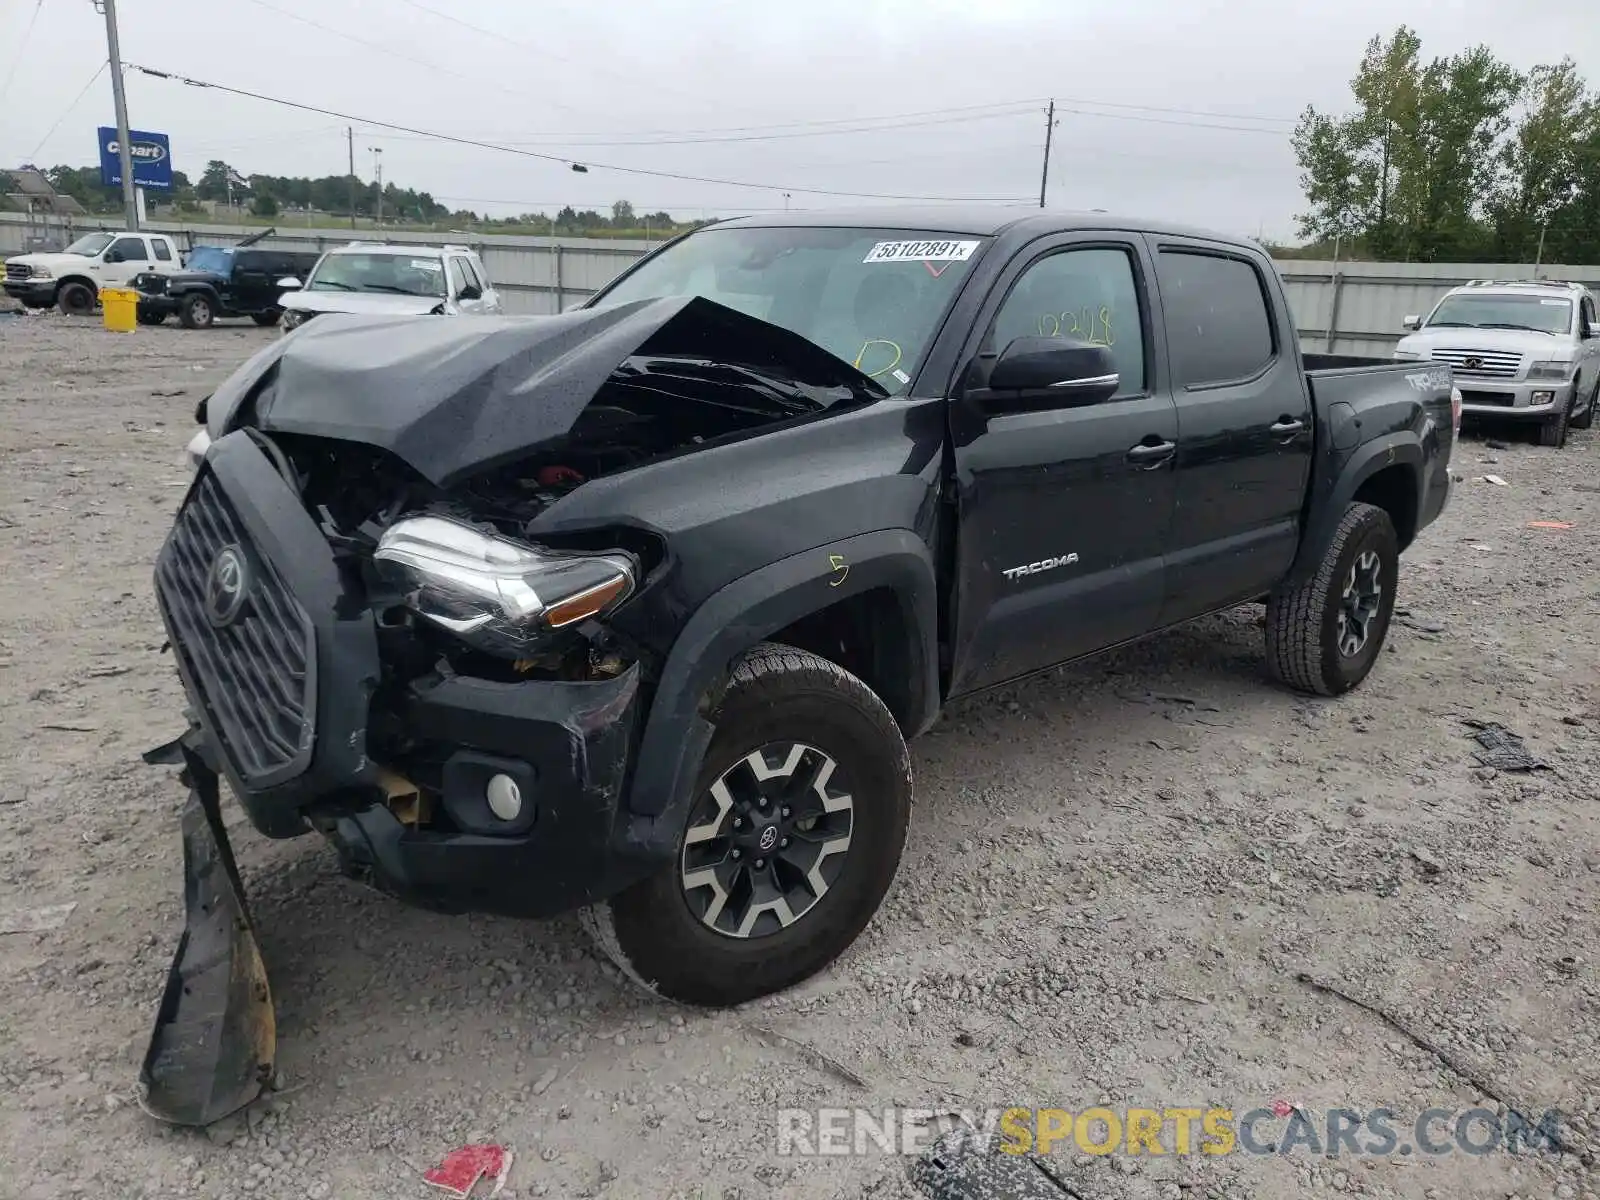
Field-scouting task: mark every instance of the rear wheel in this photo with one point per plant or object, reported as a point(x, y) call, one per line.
point(75, 299)
point(197, 312)
point(266, 318)
point(788, 846)
point(1324, 634)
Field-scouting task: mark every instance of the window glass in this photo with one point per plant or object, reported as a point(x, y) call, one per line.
point(453, 265)
point(163, 251)
point(872, 297)
point(1219, 328)
point(470, 274)
point(1503, 310)
point(1088, 294)
point(132, 249)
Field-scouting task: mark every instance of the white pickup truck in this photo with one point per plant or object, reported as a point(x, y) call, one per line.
point(71, 279)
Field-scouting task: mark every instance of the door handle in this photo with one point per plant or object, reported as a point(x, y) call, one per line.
point(1287, 427)
point(1147, 455)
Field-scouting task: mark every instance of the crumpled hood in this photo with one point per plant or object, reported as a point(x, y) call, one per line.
point(454, 398)
point(386, 303)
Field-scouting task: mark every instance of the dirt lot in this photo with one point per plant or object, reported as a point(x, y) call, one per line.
point(1115, 878)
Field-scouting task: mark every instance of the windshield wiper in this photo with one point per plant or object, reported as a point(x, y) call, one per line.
point(399, 291)
point(1513, 325)
point(318, 285)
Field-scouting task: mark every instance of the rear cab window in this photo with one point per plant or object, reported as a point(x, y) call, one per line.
point(1220, 326)
point(162, 249)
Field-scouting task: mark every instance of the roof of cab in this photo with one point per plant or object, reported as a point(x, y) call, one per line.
point(974, 220)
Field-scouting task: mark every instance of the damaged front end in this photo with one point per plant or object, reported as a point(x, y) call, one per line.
point(389, 634)
point(212, 1047)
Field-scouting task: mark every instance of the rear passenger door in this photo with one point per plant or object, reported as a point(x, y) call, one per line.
point(1244, 426)
point(1062, 511)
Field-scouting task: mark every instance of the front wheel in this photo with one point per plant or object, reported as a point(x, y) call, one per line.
point(266, 318)
point(1553, 430)
point(151, 318)
point(75, 299)
point(1324, 634)
point(197, 312)
point(788, 845)
point(1587, 419)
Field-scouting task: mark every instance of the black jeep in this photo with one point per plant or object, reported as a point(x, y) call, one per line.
point(222, 281)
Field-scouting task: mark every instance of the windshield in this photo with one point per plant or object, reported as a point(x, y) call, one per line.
point(396, 274)
point(216, 259)
point(89, 244)
point(1544, 314)
point(873, 297)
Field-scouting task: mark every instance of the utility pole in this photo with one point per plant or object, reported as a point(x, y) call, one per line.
point(377, 171)
point(130, 201)
point(350, 140)
point(1049, 131)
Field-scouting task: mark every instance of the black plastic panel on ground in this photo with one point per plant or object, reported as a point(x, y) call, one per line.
point(254, 674)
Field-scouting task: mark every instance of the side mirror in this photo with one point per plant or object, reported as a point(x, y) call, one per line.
point(470, 293)
point(114, 256)
point(1412, 321)
point(1594, 329)
point(1035, 372)
point(290, 284)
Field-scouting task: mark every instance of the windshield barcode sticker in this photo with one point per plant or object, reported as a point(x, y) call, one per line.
point(425, 264)
point(920, 252)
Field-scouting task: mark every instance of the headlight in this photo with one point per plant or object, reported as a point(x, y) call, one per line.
point(500, 595)
point(1550, 369)
point(42, 273)
point(293, 318)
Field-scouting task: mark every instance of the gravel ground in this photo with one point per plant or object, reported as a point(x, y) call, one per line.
point(1116, 876)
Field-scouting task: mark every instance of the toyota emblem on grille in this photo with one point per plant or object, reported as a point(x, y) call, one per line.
point(227, 586)
point(1472, 363)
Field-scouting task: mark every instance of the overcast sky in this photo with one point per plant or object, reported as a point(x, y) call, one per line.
point(1165, 108)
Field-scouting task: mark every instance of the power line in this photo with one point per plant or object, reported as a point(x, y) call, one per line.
point(477, 80)
point(1187, 112)
point(75, 101)
point(1082, 112)
point(642, 140)
point(590, 66)
point(22, 48)
point(555, 158)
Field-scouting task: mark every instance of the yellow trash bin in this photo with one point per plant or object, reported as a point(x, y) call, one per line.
point(120, 307)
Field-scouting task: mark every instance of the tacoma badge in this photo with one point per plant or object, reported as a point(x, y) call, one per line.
point(1046, 564)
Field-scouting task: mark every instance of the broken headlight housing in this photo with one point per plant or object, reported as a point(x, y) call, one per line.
point(496, 594)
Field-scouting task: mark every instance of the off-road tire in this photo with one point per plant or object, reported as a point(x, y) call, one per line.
point(1585, 421)
point(1553, 430)
point(75, 299)
point(266, 318)
point(776, 693)
point(151, 318)
point(1303, 621)
point(197, 311)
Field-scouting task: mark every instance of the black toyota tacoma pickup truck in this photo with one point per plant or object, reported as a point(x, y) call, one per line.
point(222, 281)
point(632, 609)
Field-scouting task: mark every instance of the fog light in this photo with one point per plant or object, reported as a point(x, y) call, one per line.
point(1543, 398)
point(504, 797)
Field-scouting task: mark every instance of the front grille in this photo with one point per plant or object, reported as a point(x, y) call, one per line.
point(1486, 364)
point(255, 674)
point(150, 283)
point(1502, 399)
point(19, 271)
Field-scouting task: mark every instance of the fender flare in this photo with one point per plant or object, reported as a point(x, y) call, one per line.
point(1395, 449)
point(83, 279)
point(741, 614)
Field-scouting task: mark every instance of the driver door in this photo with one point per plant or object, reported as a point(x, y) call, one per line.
point(1063, 511)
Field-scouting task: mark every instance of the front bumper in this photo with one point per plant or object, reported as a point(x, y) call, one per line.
point(35, 293)
point(157, 305)
point(285, 685)
point(1530, 400)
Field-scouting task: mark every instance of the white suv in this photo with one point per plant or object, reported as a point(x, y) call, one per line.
point(1519, 350)
point(380, 278)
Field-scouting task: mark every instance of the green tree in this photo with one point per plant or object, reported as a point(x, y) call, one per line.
point(213, 183)
point(264, 205)
point(622, 215)
point(1544, 163)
